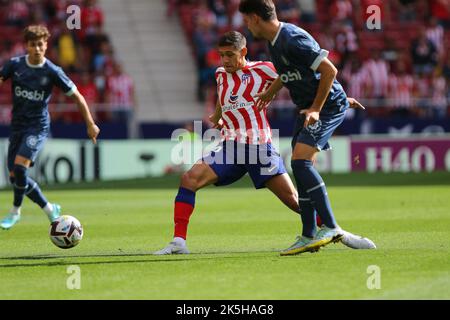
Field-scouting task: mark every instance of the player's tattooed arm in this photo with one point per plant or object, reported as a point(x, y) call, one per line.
point(264, 98)
point(216, 117)
point(92, 128)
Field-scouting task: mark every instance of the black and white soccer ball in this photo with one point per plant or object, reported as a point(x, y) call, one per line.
point(66, 232)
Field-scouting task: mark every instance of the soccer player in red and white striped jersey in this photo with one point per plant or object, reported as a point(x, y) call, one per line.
point(245, 132)
point(236, 92)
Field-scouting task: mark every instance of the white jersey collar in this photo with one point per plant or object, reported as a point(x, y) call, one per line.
point(278, 33)
point(34, 65)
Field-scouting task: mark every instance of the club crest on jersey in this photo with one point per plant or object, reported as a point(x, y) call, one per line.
point(44, 81)
point(246, 78)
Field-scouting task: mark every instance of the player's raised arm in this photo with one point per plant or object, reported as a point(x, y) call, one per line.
point(92, 128)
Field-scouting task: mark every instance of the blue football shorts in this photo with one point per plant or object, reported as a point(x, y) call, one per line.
point(26, 144)
point(317, 134)
point(231, 160)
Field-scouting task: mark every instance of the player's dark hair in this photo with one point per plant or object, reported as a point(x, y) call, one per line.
point(36, 32)
point(262, 8)
point(232, 38)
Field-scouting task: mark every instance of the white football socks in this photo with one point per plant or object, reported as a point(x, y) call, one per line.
point(179, 241)
point(48, 209)
point(15, 210)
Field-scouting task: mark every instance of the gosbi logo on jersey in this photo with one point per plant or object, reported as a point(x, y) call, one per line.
point(291, 76)
point(30, 95)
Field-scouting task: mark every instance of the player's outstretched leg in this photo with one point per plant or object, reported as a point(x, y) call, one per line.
point(199, 176)
point(34, 193)
point(20, 187)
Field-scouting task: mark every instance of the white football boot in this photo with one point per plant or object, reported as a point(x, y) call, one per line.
point(177, 246)
point(357, 242)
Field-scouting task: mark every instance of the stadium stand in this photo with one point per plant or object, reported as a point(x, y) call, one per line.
point(147, 67)
point(87, 55)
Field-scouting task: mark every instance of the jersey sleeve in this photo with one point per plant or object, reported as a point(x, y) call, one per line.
point(7, 69)
point(62, 81)
point(304, 51)
point(269, 70)
point(219, 75)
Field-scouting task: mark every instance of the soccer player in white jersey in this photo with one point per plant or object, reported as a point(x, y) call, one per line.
point(246, 135)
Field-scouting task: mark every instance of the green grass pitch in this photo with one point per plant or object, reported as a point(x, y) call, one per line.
point(235, 235)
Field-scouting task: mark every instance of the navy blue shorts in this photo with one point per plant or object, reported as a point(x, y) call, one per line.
point(25, 144)
point(231, 161)
point(318, 134)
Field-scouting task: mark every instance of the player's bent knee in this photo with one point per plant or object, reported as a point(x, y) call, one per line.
point(304, 152)
point(20, 175)
point(19, 171)
point(191, 180)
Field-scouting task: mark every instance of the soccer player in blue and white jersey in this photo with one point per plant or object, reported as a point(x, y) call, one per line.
point(311, 79)
point(32, 80)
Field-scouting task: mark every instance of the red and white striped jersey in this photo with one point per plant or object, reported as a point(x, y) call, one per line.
point(439, 98)
point(120, 88)
point(236, 93)
point(401, 91)
point(357, 83)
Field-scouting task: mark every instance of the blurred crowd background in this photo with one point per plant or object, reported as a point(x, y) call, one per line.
point(87, 56)
point(400, 71)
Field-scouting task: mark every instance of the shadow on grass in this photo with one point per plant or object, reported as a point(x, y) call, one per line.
point(151, 258)
point(351, 179)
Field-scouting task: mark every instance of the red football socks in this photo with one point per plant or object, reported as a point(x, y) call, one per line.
point(182, 214)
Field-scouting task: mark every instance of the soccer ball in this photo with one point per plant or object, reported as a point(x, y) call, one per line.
point(66, 232)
